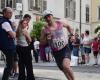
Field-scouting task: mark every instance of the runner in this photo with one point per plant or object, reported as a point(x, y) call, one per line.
point(58, 40)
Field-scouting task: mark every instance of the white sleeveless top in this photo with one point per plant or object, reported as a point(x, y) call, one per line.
point(21, 40)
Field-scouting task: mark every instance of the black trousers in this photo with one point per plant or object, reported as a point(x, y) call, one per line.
point(9, 54)
point(25, 62)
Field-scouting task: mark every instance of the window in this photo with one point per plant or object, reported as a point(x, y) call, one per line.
point(9, 3)
point(87, 14)
point(44, 5)
point(30, 5)
point(98, 13)
point(2, 4)
point(14, 4)
point(73, 10)
point(66, 12)
point(67, 8)
point(18, 1)
point(37, 5)
point(70, 9)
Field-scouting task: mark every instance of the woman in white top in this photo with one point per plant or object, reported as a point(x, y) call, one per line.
point(24, 52)
point(87, 46)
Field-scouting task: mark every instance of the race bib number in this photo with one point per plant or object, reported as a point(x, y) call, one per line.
point(59, 43)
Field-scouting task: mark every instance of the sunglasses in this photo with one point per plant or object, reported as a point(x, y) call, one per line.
point(49, 15)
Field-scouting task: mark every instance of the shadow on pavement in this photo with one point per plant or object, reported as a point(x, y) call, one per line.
point(80, 68)
point(43, 78)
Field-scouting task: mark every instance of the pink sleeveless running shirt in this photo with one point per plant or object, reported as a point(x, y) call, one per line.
point(59, 37)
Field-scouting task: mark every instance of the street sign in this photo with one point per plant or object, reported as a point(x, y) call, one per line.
point(18, 16)
point(19, 6)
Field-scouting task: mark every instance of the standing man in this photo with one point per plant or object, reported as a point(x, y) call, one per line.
point(7, 44)
point(76, 46)
point(57, 31)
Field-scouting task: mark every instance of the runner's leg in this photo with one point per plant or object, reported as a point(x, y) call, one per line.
point(67, 69)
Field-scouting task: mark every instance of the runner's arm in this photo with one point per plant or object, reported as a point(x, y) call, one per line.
point(27, 36)
point(65, 24)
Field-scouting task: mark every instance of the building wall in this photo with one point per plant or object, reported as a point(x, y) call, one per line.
point(58, 11)
point(57, 7)
point(94, 21)
point(95, 4)
point(25, 10)
point(85, 26)
point(76, 23)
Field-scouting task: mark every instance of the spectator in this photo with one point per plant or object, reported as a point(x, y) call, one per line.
point(24, 52)
point(36, 50)
point(70, 43)
point(82, 50)
point(87, 46)
point(48, 53)
point(76, 45)
point(14, 72)
point(7, 43)
point(95, 50)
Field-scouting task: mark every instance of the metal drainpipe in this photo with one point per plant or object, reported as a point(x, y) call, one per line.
point(80, 16)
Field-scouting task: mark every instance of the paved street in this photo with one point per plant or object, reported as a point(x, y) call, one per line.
point(49, 71)
point(81, 72)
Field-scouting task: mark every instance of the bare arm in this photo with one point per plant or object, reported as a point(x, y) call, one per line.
point(7, 27)
point(27, 36)
point(66, 24)
point(12, 34)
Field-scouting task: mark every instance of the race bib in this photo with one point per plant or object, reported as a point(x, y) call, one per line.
point(59, 43)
